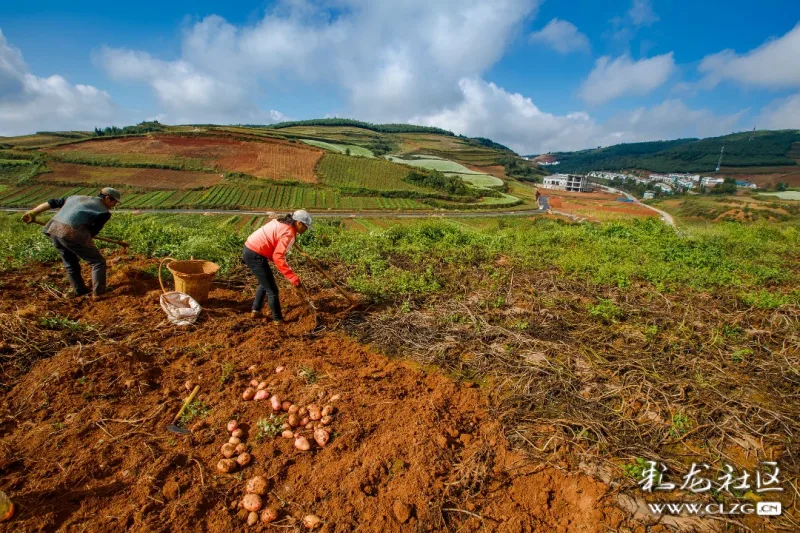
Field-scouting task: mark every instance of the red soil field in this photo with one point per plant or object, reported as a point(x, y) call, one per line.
point(152, 178)
point(86, 447)
point(268, 159)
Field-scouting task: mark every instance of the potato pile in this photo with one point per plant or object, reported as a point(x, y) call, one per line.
point(310, 419)
point(253, 502)
point(303, 422)
point(234, 447)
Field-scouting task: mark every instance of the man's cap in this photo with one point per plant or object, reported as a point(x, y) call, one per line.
point(301, 215)
point(112, 192)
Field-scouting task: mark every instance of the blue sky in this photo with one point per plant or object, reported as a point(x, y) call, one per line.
point(535, 75)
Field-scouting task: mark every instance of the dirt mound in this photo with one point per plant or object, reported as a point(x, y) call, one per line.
point(85, 442)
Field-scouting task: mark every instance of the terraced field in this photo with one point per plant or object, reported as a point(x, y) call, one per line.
point(264, 159)
point(375, 174)
point(341, 148)
point(147, 178)
point(449, 167)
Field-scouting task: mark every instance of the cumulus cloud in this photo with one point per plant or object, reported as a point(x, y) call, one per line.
point(29, 103)
point(487, 110)
point(642, 14)
point(562, 36)
point(783, 113)
point(774, 64)
point(611, 79)
point(388, 57)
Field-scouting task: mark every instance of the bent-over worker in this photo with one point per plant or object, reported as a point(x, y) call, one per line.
point(72, 230)
point(270, 242)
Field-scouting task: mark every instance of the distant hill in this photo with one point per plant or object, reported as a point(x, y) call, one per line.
point(761, 149)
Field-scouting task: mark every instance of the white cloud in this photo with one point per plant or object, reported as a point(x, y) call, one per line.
point(611, 79)
point(562, 36)
point(487, 110)
point(783, 113)
point(774, 64)
point(642, 14)
point(390, 58)
point(29, 103)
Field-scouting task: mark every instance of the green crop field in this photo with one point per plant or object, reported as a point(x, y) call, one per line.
point(340, 148)
point(448, 167)
point(376, 174)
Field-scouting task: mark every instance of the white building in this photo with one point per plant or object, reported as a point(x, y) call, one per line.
point(649, 195)
point(566, 182)
point(664, 187)
point(708, 180)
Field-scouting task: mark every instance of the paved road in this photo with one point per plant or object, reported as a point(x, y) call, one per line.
point(332, 214)
point(665, 217)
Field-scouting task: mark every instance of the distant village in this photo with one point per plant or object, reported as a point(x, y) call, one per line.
point(667, 183)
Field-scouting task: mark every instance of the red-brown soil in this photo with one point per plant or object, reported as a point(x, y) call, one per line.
point(498, 171)
point(85, 446)
point(266, 158)
point(137, 177)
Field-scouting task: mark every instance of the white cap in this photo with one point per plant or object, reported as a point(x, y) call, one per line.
point(301, 215)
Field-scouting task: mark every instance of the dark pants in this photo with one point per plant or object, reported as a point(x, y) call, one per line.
point(266, 282)
point(71, 252)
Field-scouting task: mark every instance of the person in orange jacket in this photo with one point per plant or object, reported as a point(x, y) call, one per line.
point(270, 242)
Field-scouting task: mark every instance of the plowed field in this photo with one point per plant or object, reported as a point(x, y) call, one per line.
point(268, 159)
point(148, 178)
point(85, 446)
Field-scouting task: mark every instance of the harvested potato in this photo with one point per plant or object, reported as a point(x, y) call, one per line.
point(254, 383)
point(335, 397)
point(248, 394)
point(238, 432)
point(302, 412)
point(252, 502)
point(311, 521)
point(301, 443)
point(262, 385)
point(252, 518)
point(232, 425)
point(279, 369)
point(244, 459)
point(326, 420)
point(293, 409)
point(235, 440)
point(328, 410)
point(321, 436)
point(304, 421)
point(241, 448)
point(228, 450)
point(293, 420)
point(286, 405)
point(314, 413)
point(275, 401)
point(261, 395)
point(269, 515)
point(287, 434)
point(226, 466)
point(257, 485)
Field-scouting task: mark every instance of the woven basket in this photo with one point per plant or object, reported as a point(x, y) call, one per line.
point(192, 277)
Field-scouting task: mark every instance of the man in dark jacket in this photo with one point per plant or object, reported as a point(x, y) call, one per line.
point(72, 231)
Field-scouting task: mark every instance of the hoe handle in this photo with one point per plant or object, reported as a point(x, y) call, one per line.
point(322, 271)
point(186, 402)
point(104, 239)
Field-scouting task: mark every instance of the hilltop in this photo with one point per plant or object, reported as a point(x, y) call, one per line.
point(336, 164)
point(764, 157)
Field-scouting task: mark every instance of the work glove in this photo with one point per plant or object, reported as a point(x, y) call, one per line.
point(29, 217)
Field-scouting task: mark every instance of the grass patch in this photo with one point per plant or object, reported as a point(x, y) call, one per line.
point(271, 427)
point(193, 411)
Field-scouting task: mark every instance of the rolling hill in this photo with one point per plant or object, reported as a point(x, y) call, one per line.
point(319, 164)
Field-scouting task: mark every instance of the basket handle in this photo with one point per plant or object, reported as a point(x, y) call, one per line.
point(160, 282)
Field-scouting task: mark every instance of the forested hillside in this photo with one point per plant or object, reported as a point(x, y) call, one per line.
point(766, 148)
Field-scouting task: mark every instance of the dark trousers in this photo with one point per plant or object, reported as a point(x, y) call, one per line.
point(266, 282)
point(71, 252)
